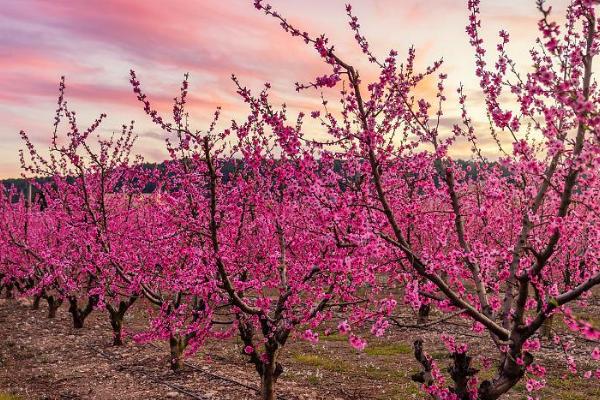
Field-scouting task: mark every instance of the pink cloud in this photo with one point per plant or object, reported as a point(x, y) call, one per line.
point(95, 43)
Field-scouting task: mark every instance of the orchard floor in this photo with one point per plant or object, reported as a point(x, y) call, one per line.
point(48, 359)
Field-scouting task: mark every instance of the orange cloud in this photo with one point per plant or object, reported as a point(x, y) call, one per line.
point(95, 43)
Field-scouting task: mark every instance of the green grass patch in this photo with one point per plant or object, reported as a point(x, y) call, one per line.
point(335, 337)
point(315, 360)
point(388, 349)
point(385, 374)
point(404, 391)
point(6, 396)
point(573, 387)
point(569, 387)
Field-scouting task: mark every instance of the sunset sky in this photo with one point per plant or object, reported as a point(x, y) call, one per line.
point(95, 43)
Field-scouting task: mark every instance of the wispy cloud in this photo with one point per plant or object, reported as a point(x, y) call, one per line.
point(95, 43)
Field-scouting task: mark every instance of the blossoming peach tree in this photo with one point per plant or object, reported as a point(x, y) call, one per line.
point(506, 245)
point(249, 202)
point(89, 197)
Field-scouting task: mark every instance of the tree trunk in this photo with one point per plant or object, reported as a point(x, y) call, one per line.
point(267, 385)
point(271, 371)
point(425, 376)
point(79, 315)
point(424, 311)
point(36, 302)
point(9, 291)
point(460, 373)
point(116, 322)
point(546, 330)
point(176, 345)
point(510, 372)
point(53, 305)
point(75, 313)
point(116, 319)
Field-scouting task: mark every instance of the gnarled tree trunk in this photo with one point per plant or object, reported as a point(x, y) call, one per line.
point(116, 319)
point(53, 305)
point(80, 314)
point(510, 372)
point(36, 302)
point(424, 311)
point(177, 345)
point(268, 368)
point(9, 291)
point(271, 371)
point(460, 373)
point(116, 322)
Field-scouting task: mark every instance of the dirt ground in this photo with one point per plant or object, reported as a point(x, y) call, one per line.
point(48, 359)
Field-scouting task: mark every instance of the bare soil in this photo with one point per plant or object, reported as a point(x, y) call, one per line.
point(47, 359)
